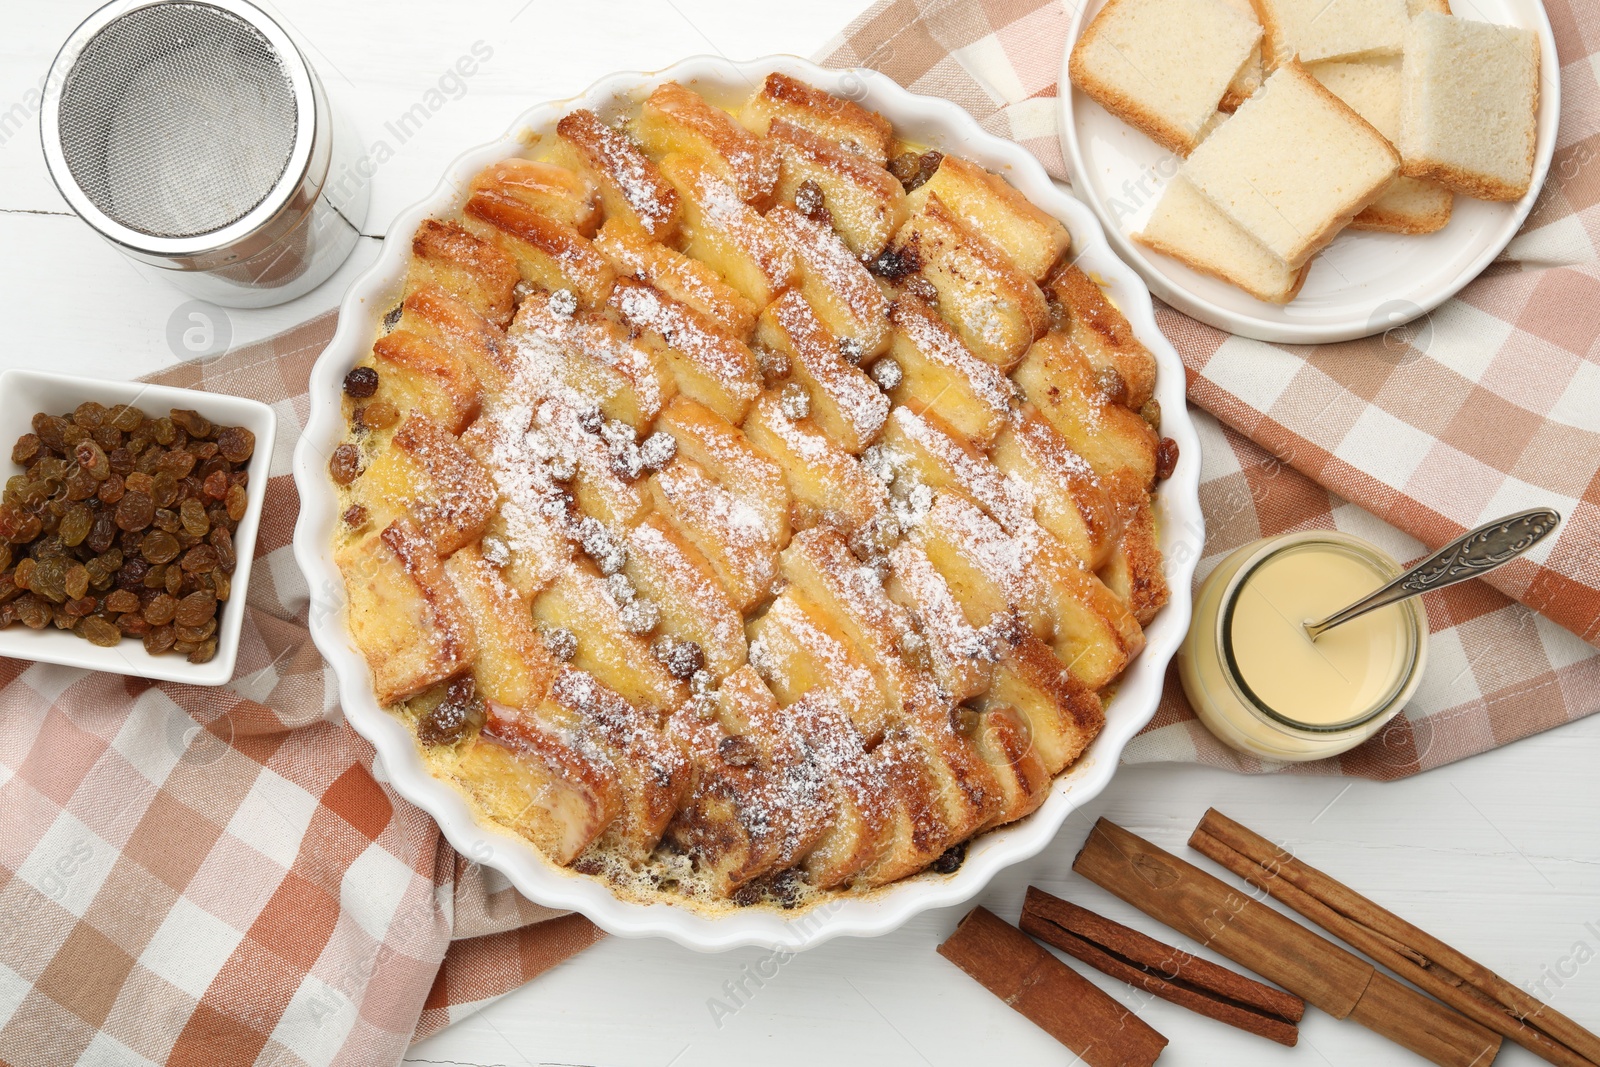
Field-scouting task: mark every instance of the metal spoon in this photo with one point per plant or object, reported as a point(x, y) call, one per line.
point(1474, 553)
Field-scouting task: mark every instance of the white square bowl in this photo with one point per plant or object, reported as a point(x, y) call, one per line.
point(25, 393)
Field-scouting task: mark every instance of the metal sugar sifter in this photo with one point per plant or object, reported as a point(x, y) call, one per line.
point(194, 136)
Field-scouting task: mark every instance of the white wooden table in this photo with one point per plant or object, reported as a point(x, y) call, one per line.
point(1499, 855)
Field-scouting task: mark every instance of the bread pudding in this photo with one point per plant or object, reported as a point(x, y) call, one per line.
point(745, 506)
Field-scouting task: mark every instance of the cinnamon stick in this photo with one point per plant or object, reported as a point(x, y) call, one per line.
point(1415, 955)
point(1059, 1000)
point(1279, 949)
point(1161, 970)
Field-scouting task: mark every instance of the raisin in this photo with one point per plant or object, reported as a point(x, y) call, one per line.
point(160, 639)
point(950, 861)
point(927, 166)
point(75, 525)
point(100, 632)
point(1151, 413)
point(80, 486)
point(361, 383)
point(135, 512)
point(195, 609)
point(1166, 458)
point(195, 519)
point(164, 490)
point(904, 167)
point(236, 444)
point(206, 651)
point(125, 417)
point(89, 415)
point(27, 447)
point(215, 486)
point(49, 578)
point(201, 559)
point(159, 547)
point(461, 698)
point(1112, 385)
point(681, 658)
point(33, 611)
point(738, 750)
point(112, 489)
point(132, 574)
point(195, 634)
point(18, 526)
point(160, 610)
point(379, 415)
point(893, 264)
point(177, 464)
point(76, 582)
point(191, 422)
point(237, 502)
point(809, 200)
point(121, 601)
point(222, 541)
point(355, 516)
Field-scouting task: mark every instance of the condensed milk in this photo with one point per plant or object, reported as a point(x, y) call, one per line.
point(1257, 679)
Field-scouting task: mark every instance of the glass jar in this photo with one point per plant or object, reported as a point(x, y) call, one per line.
point(1259, 683)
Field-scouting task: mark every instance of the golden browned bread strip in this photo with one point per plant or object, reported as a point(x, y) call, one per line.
point(549, 253)
point(679, 120)
point(631, 187)
point(466, 266)
point(404, 613)
point(852, 126)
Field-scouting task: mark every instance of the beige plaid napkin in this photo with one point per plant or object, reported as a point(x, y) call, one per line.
point(1489, 405)
point(210, 877)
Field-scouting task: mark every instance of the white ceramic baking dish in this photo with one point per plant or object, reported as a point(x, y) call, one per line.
point(926, 120)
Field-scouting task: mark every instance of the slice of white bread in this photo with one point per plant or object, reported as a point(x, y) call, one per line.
point(1372, 88)
point(1187, 227)
point(1163, 65)
point(1330, 29)
point(1247, 79)
point(1469, 105)
point(1417, 7)
point(1293, 166)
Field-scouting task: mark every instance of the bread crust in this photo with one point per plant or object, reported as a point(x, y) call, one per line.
point(1222, 274)
point(1484, 186)
point(1271, 34)
point(1120, 104)
point(1376, 219)
point(1465, 182)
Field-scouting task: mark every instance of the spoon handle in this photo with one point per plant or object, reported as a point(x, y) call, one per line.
point(1474, 553)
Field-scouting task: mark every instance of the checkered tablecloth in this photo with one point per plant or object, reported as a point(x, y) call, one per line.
point(212, 877)
point(1489, 405)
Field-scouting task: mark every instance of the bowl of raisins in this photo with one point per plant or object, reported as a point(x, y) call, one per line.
point(128, 524)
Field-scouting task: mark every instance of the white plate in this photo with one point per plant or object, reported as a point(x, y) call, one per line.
point(939, 124)
point(25, 392)
point(1363, 283)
